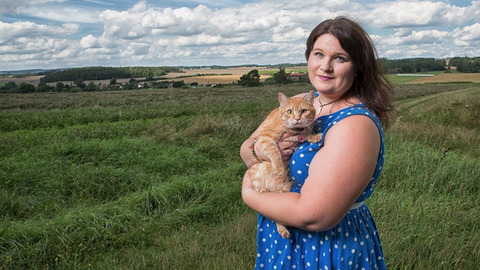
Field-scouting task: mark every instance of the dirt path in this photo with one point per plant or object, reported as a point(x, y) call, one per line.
point(410, 104)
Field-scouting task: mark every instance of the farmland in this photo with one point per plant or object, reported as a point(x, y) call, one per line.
point(150, 179)
point(204, 76)
point(188, 75)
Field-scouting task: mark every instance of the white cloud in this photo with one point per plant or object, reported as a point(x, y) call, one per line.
point(160, 19)
point(468, 33)
point(12, 6)
point(418, 37)
point(419, 13)
point(89, 42)
point(63, 14)
point(124, 24)
point(27, 30)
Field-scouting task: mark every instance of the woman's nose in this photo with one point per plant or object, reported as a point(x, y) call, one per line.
point(325, 66)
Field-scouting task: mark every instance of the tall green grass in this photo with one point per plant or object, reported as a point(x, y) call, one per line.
point(151, 179)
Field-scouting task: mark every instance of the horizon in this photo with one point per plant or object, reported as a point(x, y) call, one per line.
point(25, 71)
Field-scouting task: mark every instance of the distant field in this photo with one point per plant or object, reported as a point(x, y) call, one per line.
point(232, 75)
point(229, 74)
point(28, 79)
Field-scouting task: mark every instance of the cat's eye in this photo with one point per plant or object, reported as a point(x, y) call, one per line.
point(303, 111)
point(289, 111)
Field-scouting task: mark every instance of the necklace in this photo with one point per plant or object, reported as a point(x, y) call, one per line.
point(326, 104)
point(320, 107)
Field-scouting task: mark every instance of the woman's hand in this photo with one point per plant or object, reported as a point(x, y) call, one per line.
point(247, 188)
point(286, 147)
point(286, 150)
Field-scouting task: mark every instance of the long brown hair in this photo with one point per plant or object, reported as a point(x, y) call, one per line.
point(370, 83)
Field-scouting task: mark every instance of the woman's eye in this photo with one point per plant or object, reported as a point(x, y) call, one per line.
point(341, 59)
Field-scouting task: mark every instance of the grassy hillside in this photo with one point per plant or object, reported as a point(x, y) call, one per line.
point(151, 179)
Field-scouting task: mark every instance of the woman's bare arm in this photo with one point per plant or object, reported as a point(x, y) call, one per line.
point(338, 174)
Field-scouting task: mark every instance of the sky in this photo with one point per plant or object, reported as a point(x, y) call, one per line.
point(45, 34)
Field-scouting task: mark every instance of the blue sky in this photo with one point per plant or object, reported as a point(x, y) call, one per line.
point(75, 33)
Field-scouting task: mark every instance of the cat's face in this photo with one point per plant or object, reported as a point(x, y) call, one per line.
point(297, 112)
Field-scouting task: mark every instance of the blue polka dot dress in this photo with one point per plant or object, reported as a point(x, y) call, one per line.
point(352, 244)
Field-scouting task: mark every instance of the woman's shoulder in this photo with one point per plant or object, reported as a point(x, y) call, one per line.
point(354, 107)
point(354, 125)
point(353, 115)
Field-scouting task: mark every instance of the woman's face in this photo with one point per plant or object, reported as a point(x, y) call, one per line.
point(330, 68)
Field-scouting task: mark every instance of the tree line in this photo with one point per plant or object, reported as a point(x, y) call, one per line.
point(252, 78)
point(81, 86)
point(466, 64)
point(412, 65)
point(105, 73)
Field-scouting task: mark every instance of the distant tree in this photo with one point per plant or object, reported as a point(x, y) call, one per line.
point(466, 64)
point(149, 77)
point(105, 73)
point(160, 84)
point(132, 84)
point(26, 88)
point(10, 85)
point(91, 86)
point(80, 83)
point(412, 65)
point(59, 87)
point(43, 87)
point(252, 78)
point(178, 84)
point(113, 81)
point(281, 76)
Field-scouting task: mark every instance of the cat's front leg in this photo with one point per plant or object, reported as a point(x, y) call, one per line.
point(270, 149)
point(282, 230)
point(314, 138)
point(293, 138)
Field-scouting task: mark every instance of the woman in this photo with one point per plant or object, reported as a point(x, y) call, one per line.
point(331, 226)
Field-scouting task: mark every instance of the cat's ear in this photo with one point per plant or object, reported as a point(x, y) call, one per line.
point(310, 96)
point(282, 98)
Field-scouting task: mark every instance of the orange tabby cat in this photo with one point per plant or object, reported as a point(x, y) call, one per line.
point(295, 116)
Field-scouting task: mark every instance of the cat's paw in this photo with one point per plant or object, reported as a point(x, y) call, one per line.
point(284, 233)
point(293, 138)
point(262, 190)
point(278, 172)
point(315, 138)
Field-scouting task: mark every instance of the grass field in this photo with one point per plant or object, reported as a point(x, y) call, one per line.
point(151, 179)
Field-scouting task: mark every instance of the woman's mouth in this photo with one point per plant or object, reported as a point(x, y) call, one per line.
point(324, 78)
